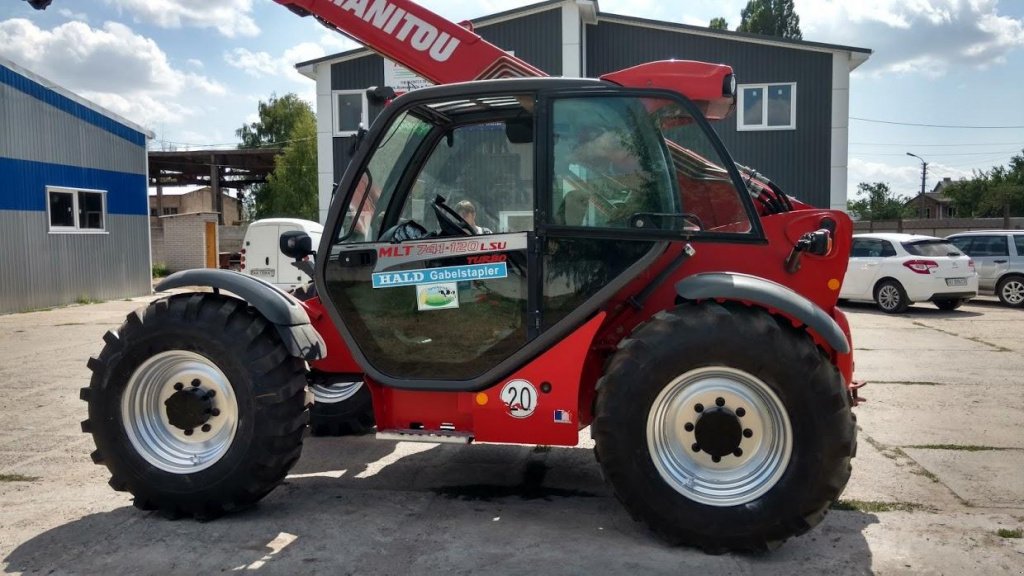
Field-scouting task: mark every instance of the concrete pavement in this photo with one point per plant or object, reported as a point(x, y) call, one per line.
point(938, 474)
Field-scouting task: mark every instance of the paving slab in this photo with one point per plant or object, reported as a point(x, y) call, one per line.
point(890, 476)
point(919, 414)
point(986, 478)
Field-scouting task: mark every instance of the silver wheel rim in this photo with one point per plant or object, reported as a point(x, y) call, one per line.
point(1013, 292)
point(145, 419)
point(334, 393)
point(888, 297)
point(733, 480)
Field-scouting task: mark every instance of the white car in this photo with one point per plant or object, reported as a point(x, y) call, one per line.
point(896, 270)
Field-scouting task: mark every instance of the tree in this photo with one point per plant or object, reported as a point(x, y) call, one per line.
point(997, 192)
point(291, 189)
point(878, 202)
point(278, 117)
point(771, 18)
point(719, 24)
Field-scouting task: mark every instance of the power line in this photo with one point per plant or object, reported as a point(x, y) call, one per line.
point(964, 126)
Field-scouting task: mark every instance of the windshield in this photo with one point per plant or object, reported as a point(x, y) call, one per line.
point(931, 248)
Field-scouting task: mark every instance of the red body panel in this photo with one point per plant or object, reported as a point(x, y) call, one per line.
point(559, 370)
point(705, 84)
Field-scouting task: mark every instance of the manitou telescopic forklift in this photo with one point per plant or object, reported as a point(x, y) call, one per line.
point(513, 260)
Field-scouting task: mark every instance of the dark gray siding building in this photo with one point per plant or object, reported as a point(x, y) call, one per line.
point(73, 198)
point(793, 103)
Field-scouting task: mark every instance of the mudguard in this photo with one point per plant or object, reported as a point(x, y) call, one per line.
point(280, 309)
point(747, 288)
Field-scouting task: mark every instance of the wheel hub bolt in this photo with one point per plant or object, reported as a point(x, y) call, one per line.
point(719, 401)
point(196, 382)
point(179, 386)
point(688, 427)
point(188, 432)
point(741, 412)
point(747, 433)
point(206, 428)
point(695, 447)
point(699, 408)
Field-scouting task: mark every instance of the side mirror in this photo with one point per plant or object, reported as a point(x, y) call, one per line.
point(296, 244)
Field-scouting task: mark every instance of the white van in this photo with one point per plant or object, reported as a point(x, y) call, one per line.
point(261, 251)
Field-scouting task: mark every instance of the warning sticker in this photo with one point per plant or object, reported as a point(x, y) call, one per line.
point(520, 398)
point(437, 296)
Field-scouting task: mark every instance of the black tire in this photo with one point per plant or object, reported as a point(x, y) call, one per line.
point(350, 416)
point(258, 415)
point(891, 298)
point(695, 339)
point(1010, 291)
point(949, 304)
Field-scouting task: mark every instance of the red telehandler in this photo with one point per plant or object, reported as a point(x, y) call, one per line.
point(512, 259)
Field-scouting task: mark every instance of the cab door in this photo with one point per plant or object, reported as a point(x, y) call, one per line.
point(429, 268)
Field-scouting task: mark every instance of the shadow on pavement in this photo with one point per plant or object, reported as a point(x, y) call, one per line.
point(362, 506)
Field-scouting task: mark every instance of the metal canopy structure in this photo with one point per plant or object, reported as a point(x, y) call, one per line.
point(232, 168)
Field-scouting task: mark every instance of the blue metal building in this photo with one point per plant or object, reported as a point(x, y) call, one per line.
point(74, 208)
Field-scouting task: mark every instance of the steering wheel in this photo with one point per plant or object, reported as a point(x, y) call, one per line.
point(451, 223)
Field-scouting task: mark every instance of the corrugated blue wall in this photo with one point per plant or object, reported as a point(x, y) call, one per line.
point(49, 139)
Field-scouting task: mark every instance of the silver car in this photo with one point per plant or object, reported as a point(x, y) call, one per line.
point(999, 258)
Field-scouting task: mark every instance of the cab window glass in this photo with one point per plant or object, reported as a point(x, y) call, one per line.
point(887, 249)
point(1019, 242)
point(483, 174)
point(641, 163)
point(381, 177)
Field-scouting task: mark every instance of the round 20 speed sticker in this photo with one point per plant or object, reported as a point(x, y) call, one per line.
point(520, 398)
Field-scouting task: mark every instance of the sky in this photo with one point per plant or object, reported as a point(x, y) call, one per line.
point(945, 81)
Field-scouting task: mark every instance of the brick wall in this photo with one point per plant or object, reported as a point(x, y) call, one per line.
point(179, 241)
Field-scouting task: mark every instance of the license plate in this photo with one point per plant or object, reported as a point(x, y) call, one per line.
point(270, 272)
point(956, 281)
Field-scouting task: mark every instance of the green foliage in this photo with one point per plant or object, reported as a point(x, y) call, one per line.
point(291, 189)
point(997, 192)
point(719, 24)
point(875, 201)
point(278, 117)
point(1006, 533)
point(771, 18)
point(160, 270)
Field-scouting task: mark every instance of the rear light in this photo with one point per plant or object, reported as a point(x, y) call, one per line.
point(921, 266)
point(970, 264)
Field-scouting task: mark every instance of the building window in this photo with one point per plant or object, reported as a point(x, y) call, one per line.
point(927, 212)
point(350, 111)
point(767, 107)
point(76, 210)
point(170, 211)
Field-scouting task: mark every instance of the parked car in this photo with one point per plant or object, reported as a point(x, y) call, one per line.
point(897, 270)
point(999, 256)
point(261, 251)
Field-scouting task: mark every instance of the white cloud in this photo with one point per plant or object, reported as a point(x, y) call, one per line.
point(112, 65)
point(904, 180)
point(232, 18)
point(80, 16)
point(263, 64)
point(925, 37)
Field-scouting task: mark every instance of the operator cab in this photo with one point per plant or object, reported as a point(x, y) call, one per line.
point(482, 222)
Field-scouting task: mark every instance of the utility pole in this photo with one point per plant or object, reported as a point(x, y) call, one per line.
point(924, 177)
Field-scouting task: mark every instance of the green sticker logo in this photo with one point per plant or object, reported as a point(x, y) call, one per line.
point(437, 296)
